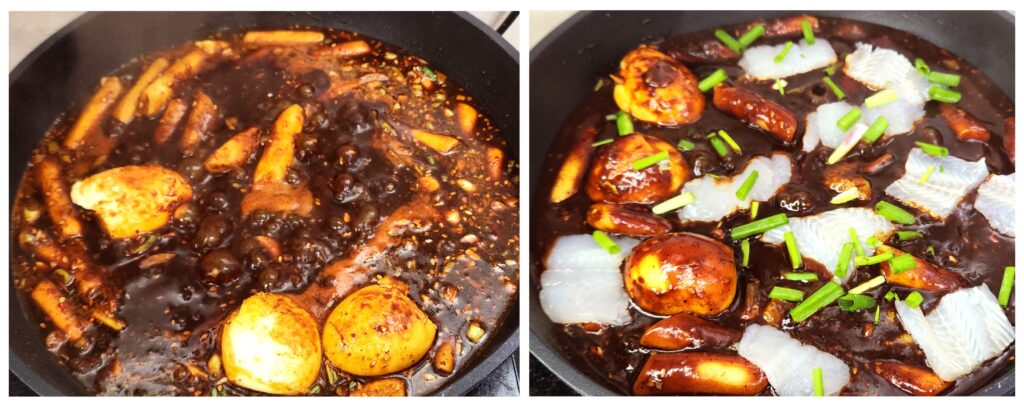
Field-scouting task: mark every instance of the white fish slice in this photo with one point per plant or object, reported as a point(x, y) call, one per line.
point(967, 328)
point(716, 198)
point(821, 236)
point(759, 62)
point(951, 180)
point(996, 202)
point(823, 123)
point(811, 135)
point(879, 68)
point(901, 115)
point(789, 364)
point(582, 282)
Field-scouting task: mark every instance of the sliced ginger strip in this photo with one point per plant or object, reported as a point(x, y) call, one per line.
point(440, 143)
point(233, 153)
point(94, 112)
point(125, 110)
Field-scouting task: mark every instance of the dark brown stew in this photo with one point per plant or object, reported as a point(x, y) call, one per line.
point(392, 176)
point(965, 243)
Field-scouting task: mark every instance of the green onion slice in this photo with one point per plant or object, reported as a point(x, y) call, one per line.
point(914, 299)
point(602, 142)
point(685, 145)
point(1007, 286)
point(745, 250)
point(797, 276)
point(876, 130)
point(846, 196)
point(854, 302)
point(902, 263)
point(873, 242)
point(782, 54)
point(848, 119)
point(856, 242)
point(822, 297)
point(877, 310)
point(835, 88)
point(819, 383)
point(844, 260)
point(930, 250)
point(748, 184)
point(599, 84)
point(606, 242)
point(730, 42)
point(674, 203)
point(787, 294)
point(943, 78)
point(808, 32)
point(831, 69)
point(881, 98)
point(934, 150)
point(718, 145)
point(624, 123)
point(754, 206)
point(908, 235)
point(940, 94)
point(890, 295)
point(751, 35)
point(870, 284)
point(893, 213)
point(921, 67)
point(794, 252)
point(872, 260)
point(927, 173)
point(433, 77)
point(753, 228)
point(728, 139)
point(650, 160)
point(715, 78)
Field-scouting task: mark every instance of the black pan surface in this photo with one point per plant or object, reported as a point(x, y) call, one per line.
point(564, 66)
point(65, 67)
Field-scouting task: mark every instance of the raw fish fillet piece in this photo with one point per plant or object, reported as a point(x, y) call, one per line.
point(582, 282)
point(789, 364)
point(901, 115)
point(995, 201)
point(883, 68)
point(821, 124)
point(951, 180)
point(821, 236)
point(967, 328)
point(759, 62)
point(715, 198)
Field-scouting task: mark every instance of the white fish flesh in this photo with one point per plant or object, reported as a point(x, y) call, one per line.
point(900, 114)
point(759, 62)
point(967, 328)
point(789, 364)
point(995, 202)
point(883, 68)
point(821, 236)
point(715, 196)
point(951, 179)
point(821, 125)
point(582, 282)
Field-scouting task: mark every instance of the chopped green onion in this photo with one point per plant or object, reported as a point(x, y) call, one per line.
point(873, 242)
point(927, 173)
point(943, 78)
point(902, 263)
point(787, 294)
point(908, 235)
point(794, 252)
point(650, 160)
point(854, 302)
point(819, 383)
point(808, 32)
point(921, 67)
point(872, 260)
point(794, 276)
point(748, 184)
point(745, 250)
point(602, 142)
point(751, 35)
point(849, 141)
point(870, 284)
point(625, 123)
point(844, 260)
point(894, 213)
point(599, 84)
point(715, 78)
point(934, 150)
point(890, 295)
point(835, 88)
point(611, 117)
point(930, 250)
point(856, 242)
point(938, 93)
point(848, 119)
point(754, 206)
point(685, 145)
point(759, 226)
point(846, 196)
point(606, 242)
point(914, 299)
point(881, 98)
point(831, 69)
point(718, 145)
point(674, 203)
point(728, 139)
point(782, 54)
point(780, 85)
point(877, 310)
point(875, 130)
point(430, 73)
point(730, 42)
point(822, 297)
point(1006, 286)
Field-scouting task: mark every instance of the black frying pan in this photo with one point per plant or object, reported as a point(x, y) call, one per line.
point(66, 67)
point(564, 65)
